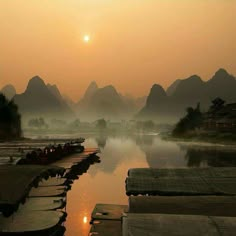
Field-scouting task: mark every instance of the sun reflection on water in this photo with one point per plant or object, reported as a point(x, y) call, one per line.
point(85, 219)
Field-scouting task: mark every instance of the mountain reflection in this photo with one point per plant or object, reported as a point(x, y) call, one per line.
point(160, 153)
point(144, 140)
point(209, 156)
point(127, 151)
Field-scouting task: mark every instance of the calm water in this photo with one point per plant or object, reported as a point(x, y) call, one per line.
point(105, 182)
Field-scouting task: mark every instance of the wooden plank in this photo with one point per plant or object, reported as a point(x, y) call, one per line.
point(53, 182)
point(108, 211)
point(190, 205)
point(181, 225)
point(42, 204)
point(8, 160)
point(106, 228)
point(51, 191)
point(70, 160)
point(29, 222)
point(181, 186)
point(227, 172)
point(16, 182)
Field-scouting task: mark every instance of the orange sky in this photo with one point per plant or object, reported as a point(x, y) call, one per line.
point(134, 43)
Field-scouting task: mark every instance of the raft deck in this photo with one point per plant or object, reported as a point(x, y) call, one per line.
point(188, 202)
point(178, 182)
point(181, 225)
point(106, 219)
point(44, 199)
point(16, 182)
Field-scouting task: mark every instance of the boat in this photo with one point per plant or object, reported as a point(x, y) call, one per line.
point(52, 153)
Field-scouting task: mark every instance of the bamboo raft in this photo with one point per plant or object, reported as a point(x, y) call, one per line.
point(38, 151)
point(16, 182)
point(35, 195)
point(186, 202)
point(177, 225)
point(178, 182)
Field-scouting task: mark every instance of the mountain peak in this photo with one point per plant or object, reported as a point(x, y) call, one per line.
point(36, 79)
point(189, 87)
point(194, 77)
point(41, 99)
point(35, 83)
point(92, 88)
point(93, 84)
point(157, 93)
point(107, 91)
point(222, 74)
point(109, 87)
point(156, 88)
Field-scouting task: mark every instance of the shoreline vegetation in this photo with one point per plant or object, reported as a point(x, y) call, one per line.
point(10, 120)
point(217, 125)
point(216, 139)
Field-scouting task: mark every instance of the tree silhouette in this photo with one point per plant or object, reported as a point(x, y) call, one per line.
point(38, 123)
point(217, 104)
point(10, 119)
point(190, 122)
point(101, 124)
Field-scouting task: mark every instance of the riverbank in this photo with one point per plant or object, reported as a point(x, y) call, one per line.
point(204, 138)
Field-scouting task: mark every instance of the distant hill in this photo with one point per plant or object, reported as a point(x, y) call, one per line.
point(9, 91)
point(42, 100)
point(102, 103)
point(170, 106)
point(156, 104)
point(92, 88)
point(171, 89)
point(223, 85)
point(89, 92)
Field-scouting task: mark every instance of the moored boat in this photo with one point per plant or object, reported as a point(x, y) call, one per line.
point(52, 153)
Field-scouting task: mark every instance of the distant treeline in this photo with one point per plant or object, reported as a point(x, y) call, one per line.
point(10, 119)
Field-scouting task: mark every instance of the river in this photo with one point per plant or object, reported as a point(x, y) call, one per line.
point(105, 182)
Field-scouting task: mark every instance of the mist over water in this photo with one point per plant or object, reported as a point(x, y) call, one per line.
point(105, 182)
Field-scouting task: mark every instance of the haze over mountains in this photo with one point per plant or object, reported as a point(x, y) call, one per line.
point(105, 103)
point(171, 105)
point(167, 106)
point(44, 100)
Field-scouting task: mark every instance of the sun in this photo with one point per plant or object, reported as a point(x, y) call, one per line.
point(86, 38)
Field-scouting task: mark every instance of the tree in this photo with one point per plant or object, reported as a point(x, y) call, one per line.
point(217, 104)
point(38, 123)
point(190, 122)
point(101, 124)
point(10, 119)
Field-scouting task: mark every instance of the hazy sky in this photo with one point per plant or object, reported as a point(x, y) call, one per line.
point(134, 43)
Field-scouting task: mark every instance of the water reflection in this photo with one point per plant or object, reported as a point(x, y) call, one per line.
point(105, 182)
point(85, 220)
point(210, 156)
point(101, 141)
point(160, 153)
